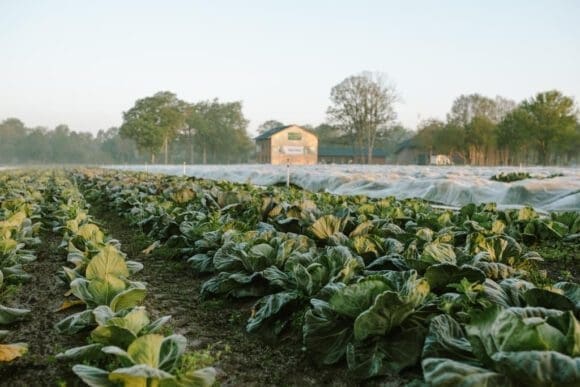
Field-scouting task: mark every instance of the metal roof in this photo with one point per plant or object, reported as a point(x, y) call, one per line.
point(270, 132)
point(410, 143)
point(347, 151)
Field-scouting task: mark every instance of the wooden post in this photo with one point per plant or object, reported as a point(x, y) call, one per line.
point(288, 172)
point(166, 146)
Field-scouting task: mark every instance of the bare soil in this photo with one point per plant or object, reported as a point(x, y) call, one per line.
point(216, 325)
point(561, 260)
point(43, 294)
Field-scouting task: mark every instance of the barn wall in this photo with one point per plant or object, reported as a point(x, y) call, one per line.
point(294, 145)
point(412, 156)
point(263, 151)
point(407, 156)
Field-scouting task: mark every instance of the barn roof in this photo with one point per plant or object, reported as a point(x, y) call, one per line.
point(410, 143)
point(346, 151)
point(269, 133)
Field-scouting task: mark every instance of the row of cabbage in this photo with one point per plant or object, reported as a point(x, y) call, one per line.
point(21, 201)
point(382, 284)
point(122, 337)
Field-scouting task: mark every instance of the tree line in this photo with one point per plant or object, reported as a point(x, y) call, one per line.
point(478, 130)
point(202, 132)
point(196, 133)
point(20, 144)
point(541, 130)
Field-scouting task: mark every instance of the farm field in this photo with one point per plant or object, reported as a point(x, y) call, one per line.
point(128, 278)
point(454, 186)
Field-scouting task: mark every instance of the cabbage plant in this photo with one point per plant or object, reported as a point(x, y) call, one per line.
point(119, 329)
point(150, 360)
point(300, 282)
point(504, 346)
point(378, 323)
point(241, 265)
point(106, 283)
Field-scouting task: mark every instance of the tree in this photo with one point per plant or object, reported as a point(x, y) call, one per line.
point(229, 122)
point(153, 122)
point(542, 129)
point(426, 134)
point(116, 148)
point(437, 137)
point(60, 144)
point(221, 131)
point(194, 122)
point(12, 131)
point(449, 139)
point(480, 135)
point(550, 115)
point(503, 107)
point(37, 146)
point(267, 125)
point(363, 105)
point(467, 107)
point(330, 134)
point(512, 137)
point(393, 137)
point(567, 144)
point(478, 116)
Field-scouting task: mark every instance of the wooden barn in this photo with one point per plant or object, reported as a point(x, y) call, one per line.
point(287, 144)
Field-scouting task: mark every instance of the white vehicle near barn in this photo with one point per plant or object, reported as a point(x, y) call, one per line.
point(440, 160)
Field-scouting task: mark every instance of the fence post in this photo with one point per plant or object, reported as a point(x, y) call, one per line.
point(288, 173)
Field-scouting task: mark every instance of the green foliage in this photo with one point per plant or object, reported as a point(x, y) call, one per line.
point(363, 278)
point(375, 322)
point(100, 280)
point(149, 360)
point(511, 176)
point(153, 121)
point(516, 176)
point(513, 346)
point(484, 131)
point(218, 132)
point(20, 208)
point(301, 281)
point(208, 131)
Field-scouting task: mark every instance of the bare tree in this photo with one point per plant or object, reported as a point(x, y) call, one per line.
point(478, 116)
point(466, 107)
point(363, 105)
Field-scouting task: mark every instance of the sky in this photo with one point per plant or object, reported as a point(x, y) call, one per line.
point(83, 63)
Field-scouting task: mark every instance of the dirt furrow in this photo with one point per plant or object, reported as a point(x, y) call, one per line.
point(43, 294)
point(214, 326)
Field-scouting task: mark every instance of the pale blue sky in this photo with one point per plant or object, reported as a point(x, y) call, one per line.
point(84, 62)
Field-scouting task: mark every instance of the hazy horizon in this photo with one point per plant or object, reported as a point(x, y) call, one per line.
point(84, 63)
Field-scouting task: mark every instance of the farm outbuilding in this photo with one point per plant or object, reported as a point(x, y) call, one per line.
point(410, 153)
point(337, 154)
point(287, 144)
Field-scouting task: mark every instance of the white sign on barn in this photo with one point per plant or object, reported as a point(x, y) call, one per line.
point(293, 150)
